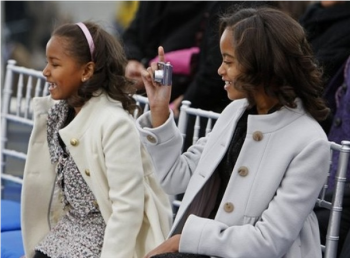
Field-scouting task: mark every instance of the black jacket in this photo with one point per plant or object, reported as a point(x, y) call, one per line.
point(328, 32)
point(171, 24)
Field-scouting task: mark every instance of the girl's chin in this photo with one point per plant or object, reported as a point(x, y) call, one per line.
point(54, 95)
point(235, 95)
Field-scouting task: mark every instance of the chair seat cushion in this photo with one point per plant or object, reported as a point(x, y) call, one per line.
point(10, 215)
point(11, 244)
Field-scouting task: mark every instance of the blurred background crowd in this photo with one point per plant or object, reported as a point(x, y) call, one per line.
point(26, 25)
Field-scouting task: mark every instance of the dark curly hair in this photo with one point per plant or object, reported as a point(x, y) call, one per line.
point(110, 62)
point(272, 51)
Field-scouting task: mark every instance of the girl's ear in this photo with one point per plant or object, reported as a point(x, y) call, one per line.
point(88, 71)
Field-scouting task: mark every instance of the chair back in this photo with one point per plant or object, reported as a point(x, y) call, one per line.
point(142, 101)
point(200, 114)
point(335, 205)
point(20, 86)
point(202, 118)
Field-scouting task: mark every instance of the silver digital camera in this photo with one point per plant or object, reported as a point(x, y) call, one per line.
point(163, 74)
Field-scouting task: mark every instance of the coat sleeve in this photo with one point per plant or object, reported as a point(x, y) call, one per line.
point(164, 144)
point(279, 225)
point(124, 172)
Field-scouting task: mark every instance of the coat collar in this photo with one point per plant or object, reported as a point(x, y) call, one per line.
point(275, 121)
point(81, 123)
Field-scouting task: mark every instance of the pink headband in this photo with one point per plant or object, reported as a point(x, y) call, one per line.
point(88, 38)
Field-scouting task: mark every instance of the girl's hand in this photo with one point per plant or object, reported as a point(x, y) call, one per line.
point(158, 95)
point(133, 71)
point(169, 246)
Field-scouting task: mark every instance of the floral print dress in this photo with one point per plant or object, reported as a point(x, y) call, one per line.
point(81, 230)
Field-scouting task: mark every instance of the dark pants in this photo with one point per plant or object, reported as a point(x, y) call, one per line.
point(344, 238)
point(179, 255)
point(39, 254)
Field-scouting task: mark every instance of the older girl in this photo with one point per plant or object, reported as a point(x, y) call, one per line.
point(251, 184)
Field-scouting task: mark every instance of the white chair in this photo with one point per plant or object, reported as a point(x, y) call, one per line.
point(186, 111)
point(142, 101)
point(20, 86)
point(335, 206)
point(208, 117)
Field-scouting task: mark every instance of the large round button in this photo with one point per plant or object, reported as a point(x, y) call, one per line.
point(243, 171)
point(151, 139)
point(257, 136)
point(87, 172)
point(228, 207)
point(74, 142)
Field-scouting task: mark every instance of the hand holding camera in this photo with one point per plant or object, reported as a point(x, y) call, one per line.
point(155, 77)
point(163, 74)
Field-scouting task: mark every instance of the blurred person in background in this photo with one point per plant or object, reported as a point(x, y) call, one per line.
point(125, 14)
point(29, 25)
point(328, 31)
point(328, 28)
point(176, 25)
point(338, 96)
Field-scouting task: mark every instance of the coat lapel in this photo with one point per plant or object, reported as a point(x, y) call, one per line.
point(215, 148)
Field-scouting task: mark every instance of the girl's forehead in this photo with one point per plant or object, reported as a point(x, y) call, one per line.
point(58, 40)
point(57, 46)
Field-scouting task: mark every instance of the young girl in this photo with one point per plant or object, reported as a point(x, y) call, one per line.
point(89, 188)
point(251, 184)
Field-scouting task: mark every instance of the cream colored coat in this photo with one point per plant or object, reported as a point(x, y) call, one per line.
point(136, 210)
point(267, 208)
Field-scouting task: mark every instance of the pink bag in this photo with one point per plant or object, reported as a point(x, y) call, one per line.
point(180, 60)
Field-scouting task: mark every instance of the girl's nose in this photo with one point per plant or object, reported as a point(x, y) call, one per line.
point(220, 70)
point(46, 71)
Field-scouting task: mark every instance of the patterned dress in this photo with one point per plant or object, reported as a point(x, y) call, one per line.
point(81, 230)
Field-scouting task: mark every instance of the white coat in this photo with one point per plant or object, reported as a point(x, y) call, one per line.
point(106, 148)
point(267, 209)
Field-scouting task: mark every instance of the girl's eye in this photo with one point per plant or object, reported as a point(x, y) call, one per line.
point(227, 62)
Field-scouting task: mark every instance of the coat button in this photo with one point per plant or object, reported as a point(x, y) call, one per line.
point(74, 142)
point(95, 204)
point(243, 171)
point(228, 207)
point(87, 172)
point(151, 139)
point(257, 136)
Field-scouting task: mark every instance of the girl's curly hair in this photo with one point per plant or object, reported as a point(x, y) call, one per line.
point(272, 51)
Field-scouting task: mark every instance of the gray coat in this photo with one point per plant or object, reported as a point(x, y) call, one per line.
point(266, 210)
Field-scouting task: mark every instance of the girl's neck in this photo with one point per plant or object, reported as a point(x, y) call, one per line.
point(76, 110)
point(264, 103)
